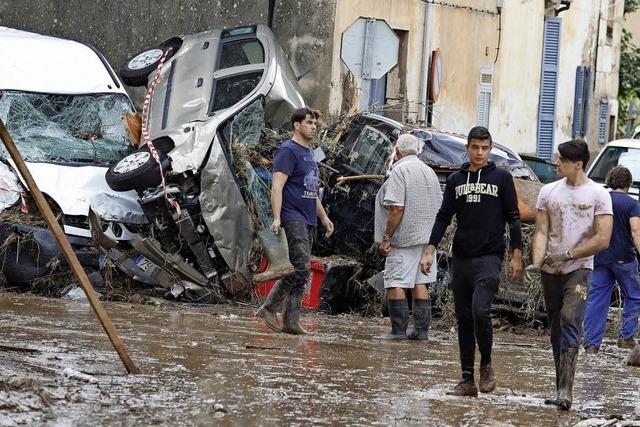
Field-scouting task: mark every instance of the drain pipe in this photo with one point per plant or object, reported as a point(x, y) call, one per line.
point(272, 9)
point(426, 60)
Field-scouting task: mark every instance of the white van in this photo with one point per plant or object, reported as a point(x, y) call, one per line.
point(623, 152)
point(63, 105)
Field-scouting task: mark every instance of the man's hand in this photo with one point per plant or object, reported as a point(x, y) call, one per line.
point(426, 262)
point(328, 225)
point(275, 226)
point(530, 273)
point(385, 248)
point(515, 267)
point(556, 260)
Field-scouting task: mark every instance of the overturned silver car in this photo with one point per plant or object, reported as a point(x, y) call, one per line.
point(200, 229)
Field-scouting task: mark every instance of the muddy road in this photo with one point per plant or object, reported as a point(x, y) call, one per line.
point(217, 365)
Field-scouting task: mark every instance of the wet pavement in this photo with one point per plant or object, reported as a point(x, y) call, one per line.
point(217, 365)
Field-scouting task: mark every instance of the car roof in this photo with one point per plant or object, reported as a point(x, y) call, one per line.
point(626, 143)
point(45, 64)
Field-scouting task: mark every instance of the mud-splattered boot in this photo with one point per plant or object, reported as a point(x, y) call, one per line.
point(634, 358)
point(568, 361)
point(487, 381)
point(291, 313)
point(466, 387)
point(556, 360)
point(421, 319)
point(268, 309)
point(277, 250)
point(399, 315)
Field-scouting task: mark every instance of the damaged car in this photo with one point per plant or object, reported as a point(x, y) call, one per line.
point(362, 155)
point(69, 131)
point(217, 90)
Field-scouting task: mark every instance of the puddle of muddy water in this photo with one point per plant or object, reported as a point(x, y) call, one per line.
point(217, 365)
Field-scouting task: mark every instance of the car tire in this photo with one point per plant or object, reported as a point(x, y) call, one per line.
point(136, 70)
point(137, 171)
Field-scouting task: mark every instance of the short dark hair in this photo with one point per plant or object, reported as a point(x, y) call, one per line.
point(575, 150)
point(300, 114)
point(479, 132)
point(619, 178)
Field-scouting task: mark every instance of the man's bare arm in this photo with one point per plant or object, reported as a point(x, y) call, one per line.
point(602, 225)
point(634, 223)
point(395, 216)
point(540, 238)
point(277, 184)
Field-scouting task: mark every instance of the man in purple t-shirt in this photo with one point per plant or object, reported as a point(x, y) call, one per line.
point(573, 222)
point(617, 263)
point(296, 207)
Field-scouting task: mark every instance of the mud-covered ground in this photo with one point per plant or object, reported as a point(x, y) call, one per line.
point(217, 365)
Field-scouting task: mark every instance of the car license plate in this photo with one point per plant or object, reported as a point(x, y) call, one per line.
point(144, 263)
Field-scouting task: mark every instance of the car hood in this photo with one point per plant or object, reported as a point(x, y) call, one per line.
point(73, 188)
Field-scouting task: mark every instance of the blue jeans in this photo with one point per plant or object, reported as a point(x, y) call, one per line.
point(602, 281)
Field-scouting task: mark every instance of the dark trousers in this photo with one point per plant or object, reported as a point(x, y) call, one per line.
point(299, 241)
point(565, 298)
point(475, 283)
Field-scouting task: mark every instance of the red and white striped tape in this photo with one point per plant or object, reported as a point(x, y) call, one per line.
point(145, 124)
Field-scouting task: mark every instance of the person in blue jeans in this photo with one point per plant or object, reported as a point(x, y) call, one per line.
point(617, 263)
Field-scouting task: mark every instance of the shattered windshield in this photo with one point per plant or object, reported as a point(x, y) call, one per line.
point(66, 128)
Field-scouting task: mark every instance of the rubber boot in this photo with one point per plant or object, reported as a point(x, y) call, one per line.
point(568, 361)
point(291, 313)
point(421, 319)
point(277, 250)
point(268, 309)
point(634, 358)
point(556, 360)
point(399, 315)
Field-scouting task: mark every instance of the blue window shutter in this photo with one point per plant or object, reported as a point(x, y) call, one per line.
point(602, 124)
point(578, 103)
point(548, 86)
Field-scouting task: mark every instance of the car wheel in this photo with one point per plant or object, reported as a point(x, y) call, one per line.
point(137, 171)
point(135, 72)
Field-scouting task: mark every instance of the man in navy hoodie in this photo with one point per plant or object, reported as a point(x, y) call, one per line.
point(484, 200)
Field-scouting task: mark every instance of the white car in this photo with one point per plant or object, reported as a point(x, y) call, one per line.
point(63, 105)
point(623, 152)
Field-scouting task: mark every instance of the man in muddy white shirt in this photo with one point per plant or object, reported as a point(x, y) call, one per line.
point(574, 219)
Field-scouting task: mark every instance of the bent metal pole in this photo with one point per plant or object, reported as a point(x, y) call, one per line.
point(69, 254)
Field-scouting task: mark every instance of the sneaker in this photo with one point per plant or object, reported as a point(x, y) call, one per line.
point(487, 379)
point(591, 350)
point(464, 388)
point(622, 343)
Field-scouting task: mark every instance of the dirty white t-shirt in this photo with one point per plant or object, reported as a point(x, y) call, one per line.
point(572, 211)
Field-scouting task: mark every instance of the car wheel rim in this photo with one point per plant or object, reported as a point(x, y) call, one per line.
point(145, 59)
point(132, 162)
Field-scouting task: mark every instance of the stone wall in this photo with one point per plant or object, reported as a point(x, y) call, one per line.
point(120, 29)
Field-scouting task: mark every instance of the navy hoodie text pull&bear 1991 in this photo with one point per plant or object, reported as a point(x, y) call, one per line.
point(483, 202)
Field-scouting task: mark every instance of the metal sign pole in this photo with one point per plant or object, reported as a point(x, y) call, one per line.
point(69, 254)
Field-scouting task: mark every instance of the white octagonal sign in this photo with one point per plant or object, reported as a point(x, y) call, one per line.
point(370, 48)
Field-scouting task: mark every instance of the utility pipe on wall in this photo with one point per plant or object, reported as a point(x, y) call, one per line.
point(426, 56)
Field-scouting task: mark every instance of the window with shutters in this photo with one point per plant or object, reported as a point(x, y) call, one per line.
point(548, 87)
point(484, 97)
point(581, 101)
point(602, 121)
